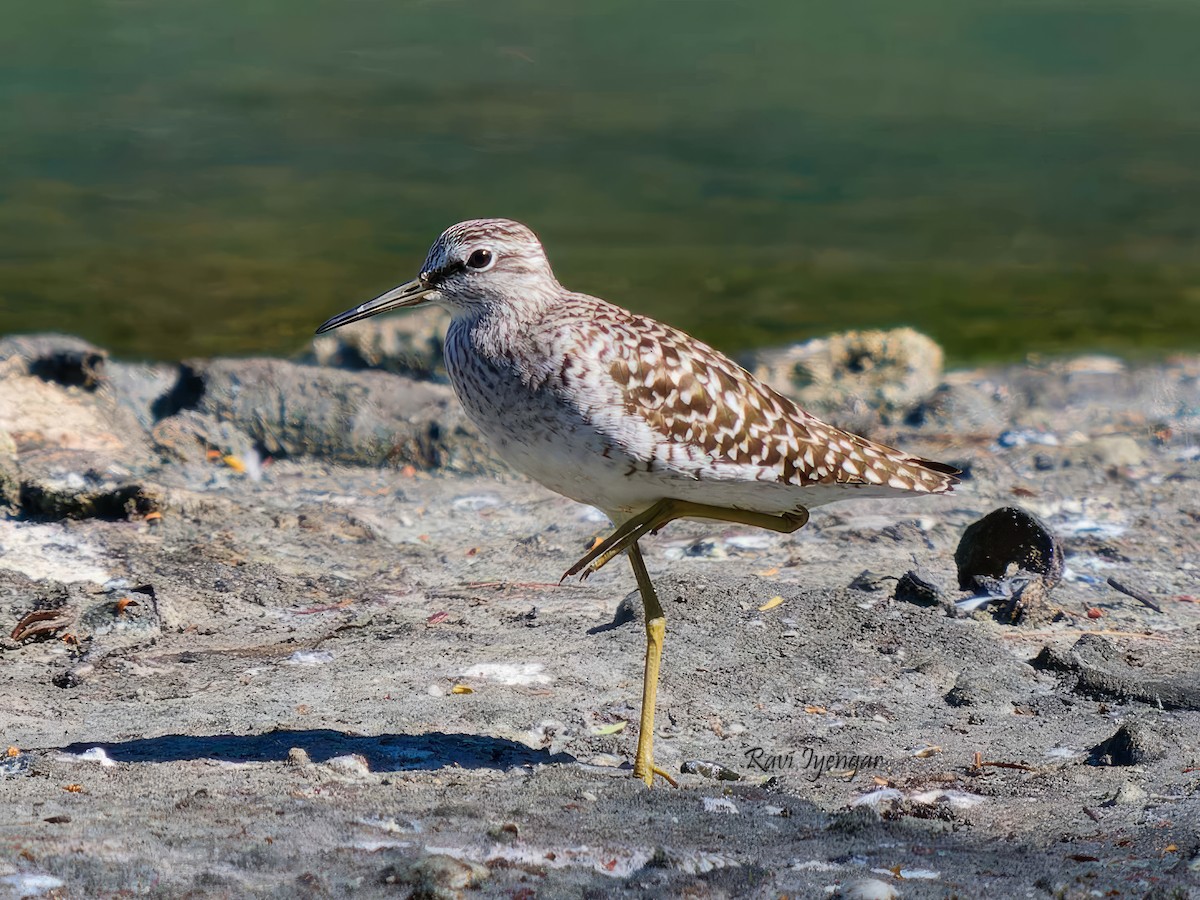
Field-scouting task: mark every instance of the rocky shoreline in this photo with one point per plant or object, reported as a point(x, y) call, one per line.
point(286, 628)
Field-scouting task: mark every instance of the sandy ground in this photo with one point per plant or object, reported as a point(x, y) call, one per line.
point(340, 680)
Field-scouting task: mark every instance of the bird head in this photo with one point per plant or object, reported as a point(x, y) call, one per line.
point(473, 267)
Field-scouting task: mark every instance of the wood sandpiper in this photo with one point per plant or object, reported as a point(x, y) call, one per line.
point(629, 415)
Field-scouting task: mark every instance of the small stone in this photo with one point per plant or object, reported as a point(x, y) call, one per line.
point(1134, 744)
point(1006, 537)
point(1127, 794)
point(437, 877)
point(867, 889)
point(1112, 451)
point(917, 586)
point(969, 690)
point(298, 756)
point(707, 769)
point(352, 764)
point(505, 833)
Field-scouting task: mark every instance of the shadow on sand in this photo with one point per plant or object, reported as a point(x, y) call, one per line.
point(384, 753)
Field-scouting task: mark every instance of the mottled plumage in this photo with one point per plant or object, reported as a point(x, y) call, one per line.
point(618, 410)
point(624, 413)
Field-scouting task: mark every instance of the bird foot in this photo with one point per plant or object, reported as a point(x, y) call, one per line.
point(646, 773)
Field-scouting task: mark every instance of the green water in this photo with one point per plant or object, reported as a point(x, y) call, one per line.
point(184, 177)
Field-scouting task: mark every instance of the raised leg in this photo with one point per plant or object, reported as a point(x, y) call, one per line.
point(656, 629)
point(629, 533)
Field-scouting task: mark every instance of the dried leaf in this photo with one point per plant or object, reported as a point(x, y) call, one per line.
point(771, 604)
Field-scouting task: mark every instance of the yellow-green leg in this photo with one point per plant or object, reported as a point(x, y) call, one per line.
point(656, 629)
point(664, 511)
point(625, 540)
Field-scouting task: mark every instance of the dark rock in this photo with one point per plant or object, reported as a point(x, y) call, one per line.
point(918, 586)
point(1005, 537)
point(1134, 744)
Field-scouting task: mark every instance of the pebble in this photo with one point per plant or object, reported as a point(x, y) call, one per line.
point(1133, 744)
point(709, 770)
point(352, 764)
point(437, 876)
point(867, 889)
point(719, 805)
point(298, 756)
point(1112, 451)
point(1128, 793)
point(18, 764)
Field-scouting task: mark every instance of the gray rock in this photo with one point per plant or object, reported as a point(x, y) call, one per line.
point(56, 358)
point(1134, 744)
point(410, 344)
point(363, 418)
point(1100, 671)
point(10, 476)
point(437, 877)
point(1005, 537)
point(137, 385)
point(190, 436)
point(890, 372)
point(71, 449)
point(1111, 451)
point(970, 689)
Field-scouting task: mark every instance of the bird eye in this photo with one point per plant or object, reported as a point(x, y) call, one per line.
point(481, 259)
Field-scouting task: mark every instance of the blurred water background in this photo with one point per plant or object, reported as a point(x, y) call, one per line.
point(181, 177)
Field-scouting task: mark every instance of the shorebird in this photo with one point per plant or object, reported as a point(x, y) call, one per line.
point(629, 415)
